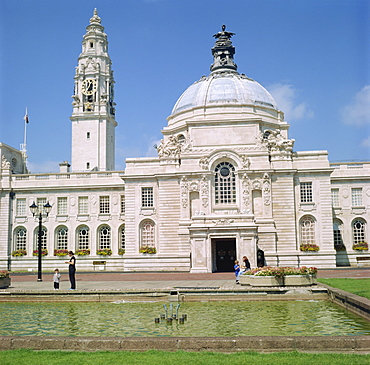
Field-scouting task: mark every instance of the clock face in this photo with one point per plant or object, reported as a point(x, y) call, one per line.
point(88, 87)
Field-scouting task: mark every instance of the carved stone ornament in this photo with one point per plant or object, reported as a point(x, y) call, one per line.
point(171, 148)
point(256, 185)
point(184, 187)
point(245, 161)
point(5, 164)
point(204, 163)
point(266, 189)
point(276, 142)
point(246, 190)
point(204, 189)
point(222, 222)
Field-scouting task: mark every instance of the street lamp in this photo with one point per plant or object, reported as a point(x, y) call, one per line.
point(40, 210)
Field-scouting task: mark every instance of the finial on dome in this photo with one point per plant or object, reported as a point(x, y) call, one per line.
point(223, 51)
point(95, 18)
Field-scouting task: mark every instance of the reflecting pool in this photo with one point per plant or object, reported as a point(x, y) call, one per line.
point(208, 319)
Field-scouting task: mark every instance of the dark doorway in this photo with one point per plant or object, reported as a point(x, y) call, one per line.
point(225, 250)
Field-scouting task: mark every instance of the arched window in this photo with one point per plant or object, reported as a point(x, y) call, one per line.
point(307, 230)
point(358, 231)
point(62, 238)
point(20, 239)
point(337, 232)
point(121, 237)
point(83, 238)
point(104, 237)
point(147, 234)
point(225, 186)
point(44, 236)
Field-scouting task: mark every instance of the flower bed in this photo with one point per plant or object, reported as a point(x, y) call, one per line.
point(19, 253)
point(361, 246)
point(279, 276)
point(309, 247)
point(83, 252)
point(44, 252)
point(147, 249)
point(60, 252)
point(121, 251)
point(104, 252)
point(4, 279)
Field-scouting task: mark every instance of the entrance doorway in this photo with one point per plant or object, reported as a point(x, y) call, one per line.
point(225, 254)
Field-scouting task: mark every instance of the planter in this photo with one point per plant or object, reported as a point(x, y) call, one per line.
point(289, 280)
point(4, 282)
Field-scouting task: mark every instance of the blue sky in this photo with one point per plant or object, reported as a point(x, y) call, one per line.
point(313, 56)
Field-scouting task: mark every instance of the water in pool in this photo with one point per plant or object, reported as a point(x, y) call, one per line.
point(207, 319)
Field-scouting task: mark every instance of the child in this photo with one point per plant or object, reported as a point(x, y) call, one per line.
point(56, 279)
point(237, 271)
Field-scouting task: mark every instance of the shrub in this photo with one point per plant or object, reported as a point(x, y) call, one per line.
point(121, 251)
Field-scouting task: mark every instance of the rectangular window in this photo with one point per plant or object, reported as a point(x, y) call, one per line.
point(147, 197)
point(62, 206)
point(357, 197)
point(104, 205)
point(335, 197)
point(21, 207)
point(306, 192)
point(83, 207)
point(123, 204)
point(40, 202)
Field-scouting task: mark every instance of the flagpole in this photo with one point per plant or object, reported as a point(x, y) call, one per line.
point(24, 145)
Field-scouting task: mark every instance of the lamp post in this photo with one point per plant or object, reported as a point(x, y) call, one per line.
point(40, 210)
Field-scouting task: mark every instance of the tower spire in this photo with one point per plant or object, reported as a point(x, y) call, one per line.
point(223, 51)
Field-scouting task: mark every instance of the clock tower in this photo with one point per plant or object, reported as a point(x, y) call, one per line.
point(93, 116)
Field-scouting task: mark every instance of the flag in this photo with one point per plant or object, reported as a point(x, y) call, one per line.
point(26, 116)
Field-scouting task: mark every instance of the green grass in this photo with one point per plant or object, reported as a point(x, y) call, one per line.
point(359, 287)
point(29, 357)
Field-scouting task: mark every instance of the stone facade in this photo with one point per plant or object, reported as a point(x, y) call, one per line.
point(226, 183)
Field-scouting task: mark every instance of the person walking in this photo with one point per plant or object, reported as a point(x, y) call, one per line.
point(72, 270)
point(237, 271)
point(56, 279)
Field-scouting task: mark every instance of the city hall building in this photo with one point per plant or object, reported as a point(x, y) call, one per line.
point(227, 182)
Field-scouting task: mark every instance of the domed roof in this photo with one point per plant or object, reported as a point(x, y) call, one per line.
point(224, 86)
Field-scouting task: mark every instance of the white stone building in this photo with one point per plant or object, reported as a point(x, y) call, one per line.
point(226, 183)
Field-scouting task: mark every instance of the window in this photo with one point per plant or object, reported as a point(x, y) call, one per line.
point(335, 197)
point(104, 237)
point(307, 230)
point(306, 192)
point(337, 230)
point(83, 205)
point(62, 238)
point(122, 240)
point(40, 202)
point(123, 208)
point(357, 197)
point(147, 234)
point(21, 207)
point(87, 165)
point(83, 238)
point(104, 205)
point(91, 45)
point(44, 237)
point(147, 197)
point(20, 239)
point(62, 206)
point(88, 135)
point(225, 186)
point(358, 229)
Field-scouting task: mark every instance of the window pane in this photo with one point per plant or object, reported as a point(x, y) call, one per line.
point(122, 238)
point(307, 227)
point(335, 197)
point(62, 238)
point(104, 205)
point(21, 239)
point(104, 237)
point(357, 197)
point(306, 192)
point(83, 207)
point(21, 207)
point(225, 184)
point(83, 238)
point(122, 204)
point(358, 231)
point(147, 234)
point(147, 197)
point(62, 206)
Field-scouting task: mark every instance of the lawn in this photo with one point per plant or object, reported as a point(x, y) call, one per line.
point(29, 357)
point(359, 287)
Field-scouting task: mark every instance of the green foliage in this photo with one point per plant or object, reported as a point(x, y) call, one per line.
point(83, 252)
point(121, 251)
point(279, 272)
point(44, 252)
point(359, 287)
point(153, 357)
point(148, 249)
point(309, 247)
point(361, 246)
point(104, 252)
point(19, 253)
point(4, 274)
point(60, 252)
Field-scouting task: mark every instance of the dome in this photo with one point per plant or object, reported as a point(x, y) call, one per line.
point(222, 88)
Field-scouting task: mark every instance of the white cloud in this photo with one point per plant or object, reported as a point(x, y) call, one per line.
point(366, 142)
point(285, 96)
point(357, 112)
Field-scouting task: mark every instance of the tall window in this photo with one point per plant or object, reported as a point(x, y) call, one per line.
point(40, 202)
point(104, 205)
point(337, 230)
point(358, 230)
point(83, 205)
point(83, 238)
point(122, 239)
point(21, 207)
point(147, 234)
point(104, 237)
point(44, 236)
point(20, 239)
point(306, 192)
point(62, 238)
point(335, 197)
point(225, 185)
point(123, 208)
point(147, 197)
point(307, 230)
point(62, 206)
point(357, 197)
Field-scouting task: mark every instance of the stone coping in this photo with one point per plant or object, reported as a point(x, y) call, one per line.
point(337, 344)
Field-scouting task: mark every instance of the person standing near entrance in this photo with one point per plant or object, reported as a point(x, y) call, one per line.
point(72, 270)
point(237, 271)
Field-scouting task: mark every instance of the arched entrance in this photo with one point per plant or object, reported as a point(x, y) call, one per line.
point(224, 250)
